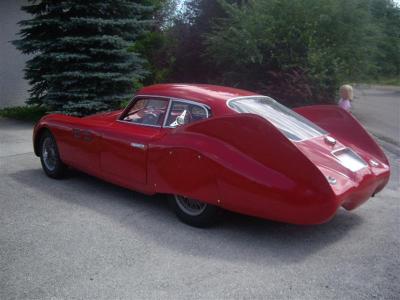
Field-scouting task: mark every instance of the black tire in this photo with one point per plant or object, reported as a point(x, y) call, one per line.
point(206, 216)
point(49, 156)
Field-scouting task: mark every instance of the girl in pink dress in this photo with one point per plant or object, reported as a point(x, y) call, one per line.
point(346, 96)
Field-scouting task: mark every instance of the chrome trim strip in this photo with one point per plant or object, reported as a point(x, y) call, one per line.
point(139, 124)
point(138, 145)
point(167, 113)
point(373, 163)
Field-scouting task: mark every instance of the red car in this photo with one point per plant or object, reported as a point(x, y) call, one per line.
point(212, 147)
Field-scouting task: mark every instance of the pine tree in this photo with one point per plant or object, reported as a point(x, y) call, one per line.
point(81, 63)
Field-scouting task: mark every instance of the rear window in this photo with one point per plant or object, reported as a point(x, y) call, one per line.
point(291, 124)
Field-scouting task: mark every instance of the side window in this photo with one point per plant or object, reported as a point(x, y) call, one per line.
point(147, 112)
point(182, 113)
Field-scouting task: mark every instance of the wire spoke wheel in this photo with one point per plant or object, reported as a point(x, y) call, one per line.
point(49, 152)
point(50, 157)
point(190, 206)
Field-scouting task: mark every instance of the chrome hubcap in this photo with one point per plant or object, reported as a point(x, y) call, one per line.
point(190, 206)
point(49, 153)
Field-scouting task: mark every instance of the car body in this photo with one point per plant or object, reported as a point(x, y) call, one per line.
point(227, 148)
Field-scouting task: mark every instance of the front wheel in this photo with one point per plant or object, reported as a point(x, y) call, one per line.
point(194, 212)
point(49, 156)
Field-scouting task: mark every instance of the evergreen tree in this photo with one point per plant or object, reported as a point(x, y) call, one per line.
point(81, 63)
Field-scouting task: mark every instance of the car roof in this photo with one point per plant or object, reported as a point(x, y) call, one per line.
point(212, 95)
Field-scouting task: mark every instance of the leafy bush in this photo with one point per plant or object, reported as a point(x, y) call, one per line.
point(326, 43)
point(298, 51)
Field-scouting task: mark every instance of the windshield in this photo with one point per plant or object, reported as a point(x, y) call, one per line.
point(290, 123)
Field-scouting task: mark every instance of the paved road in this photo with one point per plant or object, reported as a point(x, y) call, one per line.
point(82, 238)
point(378, 108)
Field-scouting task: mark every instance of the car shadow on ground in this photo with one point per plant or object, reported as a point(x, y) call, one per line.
point(236, 237)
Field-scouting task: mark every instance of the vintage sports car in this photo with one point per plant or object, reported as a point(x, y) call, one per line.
point(211, 147)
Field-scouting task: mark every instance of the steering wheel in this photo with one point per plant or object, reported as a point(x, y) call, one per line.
point(188, 117)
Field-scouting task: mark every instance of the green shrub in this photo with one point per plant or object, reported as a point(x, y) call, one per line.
point(25, 113)
point(327, 43)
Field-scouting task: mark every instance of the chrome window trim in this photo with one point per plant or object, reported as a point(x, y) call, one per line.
point(140, 124)
point(204, 106)
point(245, 97)
point(170, 100)
point(167, 113)
point(261, 96)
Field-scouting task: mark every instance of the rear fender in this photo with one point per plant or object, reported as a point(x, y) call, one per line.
point(242, 163)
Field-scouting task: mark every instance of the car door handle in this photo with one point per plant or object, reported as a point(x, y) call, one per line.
point(138, 146)
point(87, 135)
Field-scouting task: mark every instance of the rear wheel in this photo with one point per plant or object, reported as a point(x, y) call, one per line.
point(194, 212)
point(49, 156)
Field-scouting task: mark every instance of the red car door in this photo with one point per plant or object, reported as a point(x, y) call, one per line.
point(124, 150)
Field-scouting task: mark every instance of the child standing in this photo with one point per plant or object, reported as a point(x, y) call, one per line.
point(346, 96)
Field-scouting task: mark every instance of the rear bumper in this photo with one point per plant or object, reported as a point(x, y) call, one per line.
point(368, 187)
point(349, 196)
